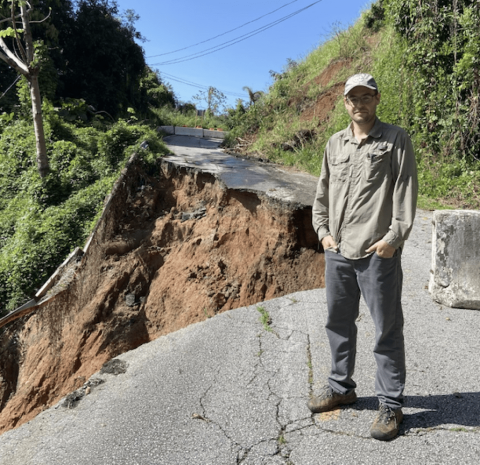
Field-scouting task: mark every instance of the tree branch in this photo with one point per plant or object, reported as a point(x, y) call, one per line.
point(8, 57)
point(8, 19)
point(17, 37)
point(44, 19)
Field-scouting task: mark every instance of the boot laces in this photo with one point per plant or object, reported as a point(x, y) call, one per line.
point(386, 413)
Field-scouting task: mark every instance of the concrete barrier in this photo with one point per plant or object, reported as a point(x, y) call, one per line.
point(214, 134)
point(194, 132)
point(455, 273)
point(181, 131)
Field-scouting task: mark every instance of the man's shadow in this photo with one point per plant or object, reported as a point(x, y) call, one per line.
point(460, 408)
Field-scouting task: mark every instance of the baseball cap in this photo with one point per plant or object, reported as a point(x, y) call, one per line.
point(364, 80)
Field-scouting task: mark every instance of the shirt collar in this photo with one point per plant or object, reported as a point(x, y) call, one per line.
point(376, 131)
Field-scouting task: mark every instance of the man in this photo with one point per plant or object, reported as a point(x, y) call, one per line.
point(363, 212)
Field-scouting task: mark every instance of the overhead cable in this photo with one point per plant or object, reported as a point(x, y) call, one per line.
point(170, 77)
point(14, 82)
point(224, 33)
point(229, 43)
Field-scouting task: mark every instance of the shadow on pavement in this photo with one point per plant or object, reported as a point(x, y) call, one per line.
point(459, 408)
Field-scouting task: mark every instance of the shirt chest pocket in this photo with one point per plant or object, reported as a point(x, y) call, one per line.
point(339, 167)
point(377, 163)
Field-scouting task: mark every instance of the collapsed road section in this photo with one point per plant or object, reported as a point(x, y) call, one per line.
point(174, 246)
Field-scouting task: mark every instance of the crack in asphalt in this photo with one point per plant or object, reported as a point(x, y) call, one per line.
point(425, 431)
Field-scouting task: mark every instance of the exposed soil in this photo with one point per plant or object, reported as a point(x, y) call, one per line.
point(324, 105)
point(174, 247)
point(330, 73)
point(318, 110)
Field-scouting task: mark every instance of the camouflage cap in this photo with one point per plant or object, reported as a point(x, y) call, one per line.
point(364, 80)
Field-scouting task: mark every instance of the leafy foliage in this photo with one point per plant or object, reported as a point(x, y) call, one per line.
point(213, 98)
point(42, 221)
point(88, 50)
point(425, 57)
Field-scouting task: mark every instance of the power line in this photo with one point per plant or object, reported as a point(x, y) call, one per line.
point(224, 33)
point(14, 82)
point(229, 43)
point(200, 86)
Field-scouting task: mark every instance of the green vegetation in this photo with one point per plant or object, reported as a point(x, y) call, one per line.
point(98, 107)
point(42, 221)
point(87, 50)
point(426, 59)
point(265, 318)
point(186, 115)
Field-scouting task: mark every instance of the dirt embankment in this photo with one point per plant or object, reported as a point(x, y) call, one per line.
point(175, 247)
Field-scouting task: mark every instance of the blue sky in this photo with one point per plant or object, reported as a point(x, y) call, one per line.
point(172, 25)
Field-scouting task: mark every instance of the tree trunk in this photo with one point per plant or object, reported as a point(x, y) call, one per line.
point(42, 160)
point(32, 76)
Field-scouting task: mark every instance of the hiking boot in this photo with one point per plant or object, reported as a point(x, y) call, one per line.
point(329, 399)
point(386, 424)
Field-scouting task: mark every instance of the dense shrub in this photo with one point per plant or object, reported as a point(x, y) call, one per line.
point(43, 220)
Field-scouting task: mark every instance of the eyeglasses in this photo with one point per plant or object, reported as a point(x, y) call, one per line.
point(365, 99)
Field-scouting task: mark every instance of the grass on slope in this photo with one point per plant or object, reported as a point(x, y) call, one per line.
point(445, 181)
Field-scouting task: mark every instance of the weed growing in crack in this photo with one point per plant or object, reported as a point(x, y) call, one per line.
point(281, 440)
point(459, 430)
point(265, 318)
point(310, 372)
point(310, 365)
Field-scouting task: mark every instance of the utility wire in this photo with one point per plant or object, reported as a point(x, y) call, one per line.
point(224, 33)
point(200, 86)
point(229, 43)
point(14, 82)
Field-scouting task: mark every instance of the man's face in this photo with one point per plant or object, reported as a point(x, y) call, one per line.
point(359, 108)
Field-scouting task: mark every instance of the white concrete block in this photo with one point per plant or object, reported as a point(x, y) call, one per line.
point(180, 131)
point(214, 134)
point(455, 273)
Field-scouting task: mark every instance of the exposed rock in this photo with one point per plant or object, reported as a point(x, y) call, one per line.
point(114, 367)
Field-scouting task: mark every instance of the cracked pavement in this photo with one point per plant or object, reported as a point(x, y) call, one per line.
point(230, 390)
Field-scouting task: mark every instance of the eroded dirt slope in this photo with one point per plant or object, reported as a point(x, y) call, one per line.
point(175, 247)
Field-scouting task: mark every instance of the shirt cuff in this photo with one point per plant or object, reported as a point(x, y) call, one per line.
point(392, 239)
point(322, 232)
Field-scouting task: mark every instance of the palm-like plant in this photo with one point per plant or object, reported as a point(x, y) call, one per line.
point(253, 96)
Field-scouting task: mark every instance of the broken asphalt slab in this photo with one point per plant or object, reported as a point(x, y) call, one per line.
point(242, 173)
point(233, 390)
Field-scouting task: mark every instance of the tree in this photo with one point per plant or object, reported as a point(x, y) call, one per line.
point(24, 60)
point(214, 98)
point(253, 96)
point(104, 64)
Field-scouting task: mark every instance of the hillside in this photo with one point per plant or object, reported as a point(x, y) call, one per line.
point(424, 58)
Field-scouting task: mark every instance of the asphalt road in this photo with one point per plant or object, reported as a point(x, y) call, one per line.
point(233, 390)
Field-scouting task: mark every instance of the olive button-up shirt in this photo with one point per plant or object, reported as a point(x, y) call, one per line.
point(367, 192)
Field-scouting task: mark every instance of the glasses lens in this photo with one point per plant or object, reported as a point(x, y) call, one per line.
point(366, 99)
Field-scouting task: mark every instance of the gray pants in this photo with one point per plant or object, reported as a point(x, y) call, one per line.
point(379, 280)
